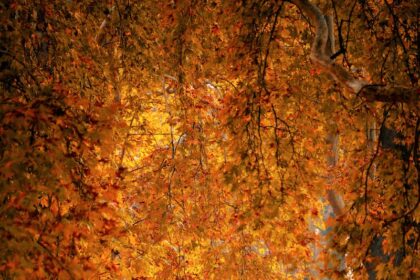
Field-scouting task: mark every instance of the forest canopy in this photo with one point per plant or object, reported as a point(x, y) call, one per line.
point(209, 139)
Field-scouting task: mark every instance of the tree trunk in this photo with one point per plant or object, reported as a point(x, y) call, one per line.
point(322, 54)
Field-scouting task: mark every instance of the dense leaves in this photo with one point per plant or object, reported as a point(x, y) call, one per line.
point(196, 139)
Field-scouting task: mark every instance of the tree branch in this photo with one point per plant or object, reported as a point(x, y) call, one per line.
point(100, 39)
point(321, 55)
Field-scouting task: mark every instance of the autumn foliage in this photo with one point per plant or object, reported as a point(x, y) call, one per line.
point(198, 140)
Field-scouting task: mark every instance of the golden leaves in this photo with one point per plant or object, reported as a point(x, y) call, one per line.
point(213, 163)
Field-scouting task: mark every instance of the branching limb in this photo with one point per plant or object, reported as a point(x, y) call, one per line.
point(322, 56)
